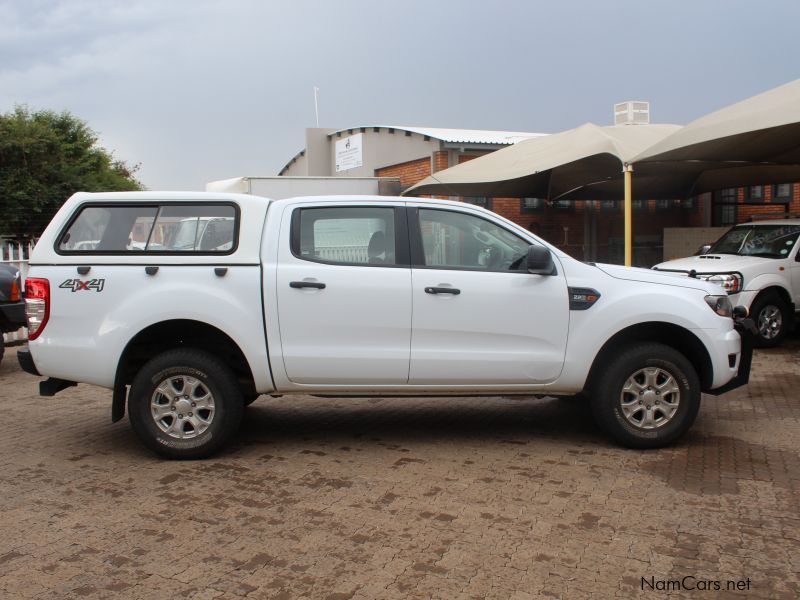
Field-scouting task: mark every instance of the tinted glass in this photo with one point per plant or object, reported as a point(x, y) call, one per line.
point(109, 229)
point(195, 228)
point(192, 228)
point(461, 241)
point(347, 235)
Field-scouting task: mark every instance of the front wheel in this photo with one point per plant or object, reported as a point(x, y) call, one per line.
point(647, 397)
point(772, 317)
point(185, 404)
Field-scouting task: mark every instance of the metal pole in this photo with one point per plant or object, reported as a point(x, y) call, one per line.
point(628, 173)
point(316, 104)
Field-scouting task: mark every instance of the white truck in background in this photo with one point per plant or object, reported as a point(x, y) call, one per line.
point(758, 266)
point(357, 296)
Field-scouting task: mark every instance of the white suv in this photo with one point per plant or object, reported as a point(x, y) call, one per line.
point(758, 264)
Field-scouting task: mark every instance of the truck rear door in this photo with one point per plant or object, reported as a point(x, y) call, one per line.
point(344, 294)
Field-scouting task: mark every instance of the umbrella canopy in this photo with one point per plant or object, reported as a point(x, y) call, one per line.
point(751, 142)
point(585, 162)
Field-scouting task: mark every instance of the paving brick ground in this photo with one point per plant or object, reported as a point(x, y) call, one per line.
point(420, 498)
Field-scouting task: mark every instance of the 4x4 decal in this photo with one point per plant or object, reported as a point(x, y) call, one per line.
point(77, 285)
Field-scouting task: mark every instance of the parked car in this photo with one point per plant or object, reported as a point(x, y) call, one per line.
point(758, 265)
point(12, 308)
point(429, 297)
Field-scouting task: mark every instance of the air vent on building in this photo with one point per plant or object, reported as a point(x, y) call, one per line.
point(632, 113)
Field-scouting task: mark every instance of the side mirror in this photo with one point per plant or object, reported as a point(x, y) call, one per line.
point(540, 261)
point(703, 250)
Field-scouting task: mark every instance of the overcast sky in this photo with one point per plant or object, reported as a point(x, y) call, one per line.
point(202, 90)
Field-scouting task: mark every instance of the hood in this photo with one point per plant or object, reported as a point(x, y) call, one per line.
point(714, 263)
point(650, 276)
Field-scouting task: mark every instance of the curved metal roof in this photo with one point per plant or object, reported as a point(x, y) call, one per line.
point(454, 136)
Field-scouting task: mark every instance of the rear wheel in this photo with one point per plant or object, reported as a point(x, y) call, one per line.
point(185, 404)
point(648, 396)
point(2, 347)
point(772, 318)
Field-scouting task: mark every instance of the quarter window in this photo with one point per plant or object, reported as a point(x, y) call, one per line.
point(345, 235)
point(453, 240)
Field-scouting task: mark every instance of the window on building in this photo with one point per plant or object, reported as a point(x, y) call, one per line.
point(725, 210)
point(564, 205)
point(754, 193)
point(663, 204)
point(478, 201)
point(609, 205)
point(724, 214)
point(689, 203)
point(531, 205)
point(639, 205)
point(782, 192)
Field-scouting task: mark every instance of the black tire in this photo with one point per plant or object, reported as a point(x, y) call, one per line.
point(2, 347)
point(608, 396)
point(207, 430)
point(772, 318)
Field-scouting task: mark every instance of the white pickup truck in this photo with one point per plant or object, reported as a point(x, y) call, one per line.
point(758, 266)
point(356, 296)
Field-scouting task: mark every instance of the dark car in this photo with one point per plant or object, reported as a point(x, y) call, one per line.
point(12, 307)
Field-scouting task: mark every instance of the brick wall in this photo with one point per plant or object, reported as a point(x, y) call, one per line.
point(410, 173)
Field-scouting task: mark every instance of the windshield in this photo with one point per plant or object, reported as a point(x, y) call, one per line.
point(771, 241)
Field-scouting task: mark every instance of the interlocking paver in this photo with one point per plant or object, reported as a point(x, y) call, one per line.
point(401, 498)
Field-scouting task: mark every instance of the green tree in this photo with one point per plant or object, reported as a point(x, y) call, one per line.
point(45, 157)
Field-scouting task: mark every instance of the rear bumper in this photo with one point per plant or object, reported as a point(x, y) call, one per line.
point(12, 316)
point(26, 361)
point(746, 329)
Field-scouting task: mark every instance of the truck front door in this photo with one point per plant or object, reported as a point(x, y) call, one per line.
point(344, 295)
point(479, 317)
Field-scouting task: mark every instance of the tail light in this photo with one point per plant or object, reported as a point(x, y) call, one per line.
point(37, 305)
point(14, 297)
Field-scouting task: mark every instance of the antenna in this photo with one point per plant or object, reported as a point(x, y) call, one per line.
point(316, 104)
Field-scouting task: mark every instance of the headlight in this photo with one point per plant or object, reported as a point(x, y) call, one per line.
point(730, 282)
point(720, 305)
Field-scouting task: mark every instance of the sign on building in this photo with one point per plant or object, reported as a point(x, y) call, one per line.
point(348, 153)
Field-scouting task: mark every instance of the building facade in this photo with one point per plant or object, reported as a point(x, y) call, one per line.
point(586, 229)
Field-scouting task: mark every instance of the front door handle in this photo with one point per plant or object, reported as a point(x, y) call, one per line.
point(442, 290)
point(307, 284)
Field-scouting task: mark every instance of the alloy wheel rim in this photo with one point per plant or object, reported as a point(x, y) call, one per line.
point(182, 407)
point(770, 320)
point(650, 398)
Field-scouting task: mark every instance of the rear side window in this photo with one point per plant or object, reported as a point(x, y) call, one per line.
point(167, 228)
point(357, 235)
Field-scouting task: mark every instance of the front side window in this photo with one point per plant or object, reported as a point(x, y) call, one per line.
point(201, 228)
point(358, 235)
point(453, 240)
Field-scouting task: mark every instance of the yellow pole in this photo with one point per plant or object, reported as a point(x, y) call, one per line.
point(628, 173)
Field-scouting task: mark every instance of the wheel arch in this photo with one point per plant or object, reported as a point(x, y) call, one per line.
point(669, 334)
point(177, 333)
point(782, 293)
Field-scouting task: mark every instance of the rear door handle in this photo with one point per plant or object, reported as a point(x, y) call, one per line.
point(307, 284)
point(442, 290)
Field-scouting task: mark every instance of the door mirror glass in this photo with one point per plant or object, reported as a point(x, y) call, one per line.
point(703, 250)
point(540, 261)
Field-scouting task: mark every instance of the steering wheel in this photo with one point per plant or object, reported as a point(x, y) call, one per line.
point(753, 244)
